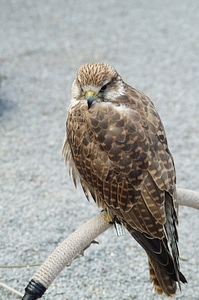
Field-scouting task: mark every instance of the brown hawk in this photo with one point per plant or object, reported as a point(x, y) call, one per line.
point(116, 145)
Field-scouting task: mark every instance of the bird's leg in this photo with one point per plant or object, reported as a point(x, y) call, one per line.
point(109, 219)
point(119, 227)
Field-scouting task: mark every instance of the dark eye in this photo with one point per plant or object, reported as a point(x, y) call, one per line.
point(103, 88)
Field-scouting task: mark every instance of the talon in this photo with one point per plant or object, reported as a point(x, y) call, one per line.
point(108, 219)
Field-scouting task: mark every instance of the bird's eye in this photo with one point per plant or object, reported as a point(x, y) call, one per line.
point(103, 88)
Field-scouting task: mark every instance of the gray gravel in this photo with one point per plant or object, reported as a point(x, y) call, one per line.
point(154, 45)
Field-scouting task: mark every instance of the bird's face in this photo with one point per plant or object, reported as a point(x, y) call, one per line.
point(96, 83)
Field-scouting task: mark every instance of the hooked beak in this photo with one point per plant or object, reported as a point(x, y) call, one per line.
point(90, 97)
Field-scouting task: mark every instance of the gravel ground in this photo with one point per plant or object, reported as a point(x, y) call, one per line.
point(154, 45)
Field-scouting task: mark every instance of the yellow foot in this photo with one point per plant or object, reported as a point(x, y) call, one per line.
point(108, 219)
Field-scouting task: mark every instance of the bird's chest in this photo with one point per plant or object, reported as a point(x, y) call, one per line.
point(79, 133)
point(87, 153)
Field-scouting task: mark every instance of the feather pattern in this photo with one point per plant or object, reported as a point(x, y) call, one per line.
point(118, 149)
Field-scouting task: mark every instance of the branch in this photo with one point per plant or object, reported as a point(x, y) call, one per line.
point(77, 242)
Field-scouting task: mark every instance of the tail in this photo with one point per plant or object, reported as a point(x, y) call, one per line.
point(163, 268)
point(162, 282)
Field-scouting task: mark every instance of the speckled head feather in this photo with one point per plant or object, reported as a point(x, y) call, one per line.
point(96, 74)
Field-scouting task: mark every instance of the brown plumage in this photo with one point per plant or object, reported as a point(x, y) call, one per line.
point(116, 146)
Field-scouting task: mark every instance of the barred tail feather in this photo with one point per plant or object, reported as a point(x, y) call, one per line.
point(160, 279)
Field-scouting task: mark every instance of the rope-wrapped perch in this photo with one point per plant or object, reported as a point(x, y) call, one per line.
point(188, 198)
point(64, 254)
point(77, 242)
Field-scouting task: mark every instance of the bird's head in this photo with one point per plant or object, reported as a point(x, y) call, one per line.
point(97, 82)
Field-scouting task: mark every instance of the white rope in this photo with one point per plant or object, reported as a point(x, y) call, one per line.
point(84, 235)
point(70, 248)
point(188, 198)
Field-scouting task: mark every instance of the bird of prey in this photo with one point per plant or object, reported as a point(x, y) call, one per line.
point(116, 146)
